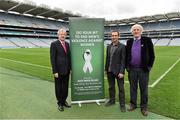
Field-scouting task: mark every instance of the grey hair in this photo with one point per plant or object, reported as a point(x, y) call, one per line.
point(137, 25)
point(61, 30)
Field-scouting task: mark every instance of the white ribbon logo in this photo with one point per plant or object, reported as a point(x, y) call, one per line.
point(87, 58)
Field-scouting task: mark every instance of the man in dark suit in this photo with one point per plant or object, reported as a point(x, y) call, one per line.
point(115, 67)
point(60, 61)
point(140, 59)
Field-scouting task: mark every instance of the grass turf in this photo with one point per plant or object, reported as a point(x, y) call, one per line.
point(27, 97)
point(163, 98)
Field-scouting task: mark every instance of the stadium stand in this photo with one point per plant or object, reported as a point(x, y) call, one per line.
point(28, 25)
point(24, 24)
point(163, 42)
point(154, 41)
point(5, 43)
point(20, 42)
point(164, 29)
point(175, 42)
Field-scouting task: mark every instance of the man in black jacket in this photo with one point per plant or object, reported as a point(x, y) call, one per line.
point(60, 61)
point(140, 59)
point(115, 67)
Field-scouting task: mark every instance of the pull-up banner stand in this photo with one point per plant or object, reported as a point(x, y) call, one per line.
point(87, 59)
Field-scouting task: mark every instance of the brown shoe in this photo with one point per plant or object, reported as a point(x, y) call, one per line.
point(144, 112)
point(131, 108)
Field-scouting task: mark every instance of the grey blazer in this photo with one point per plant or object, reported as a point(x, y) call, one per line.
point(118, 59)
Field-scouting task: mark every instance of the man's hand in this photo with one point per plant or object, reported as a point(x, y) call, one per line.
point(56, 75)
point(120, 75)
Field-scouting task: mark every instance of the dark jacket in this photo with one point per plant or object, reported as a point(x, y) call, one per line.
point(147, 53)
point(60, 60)
point(118, 59)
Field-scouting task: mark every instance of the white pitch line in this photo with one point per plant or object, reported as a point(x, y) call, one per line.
point(25, 63)
point(157, 81)
point(162, 76)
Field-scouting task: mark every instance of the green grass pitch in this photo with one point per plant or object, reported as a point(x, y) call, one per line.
point(34, 63)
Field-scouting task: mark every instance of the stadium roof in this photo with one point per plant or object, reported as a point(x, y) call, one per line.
point(43, 11)
point(31, 9)
point(145, 19)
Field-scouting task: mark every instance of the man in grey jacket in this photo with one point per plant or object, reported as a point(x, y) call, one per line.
point(115, 67)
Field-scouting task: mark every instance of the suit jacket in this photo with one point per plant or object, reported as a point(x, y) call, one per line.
point(147, 53)
point(60, 60)
point(118, 59)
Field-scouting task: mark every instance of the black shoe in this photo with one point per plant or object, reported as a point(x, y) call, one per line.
point(123, 109)
point(60, 108)
point(66, 105)
point(109, 103)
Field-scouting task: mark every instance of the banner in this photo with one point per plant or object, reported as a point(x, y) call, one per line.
point(87, 58)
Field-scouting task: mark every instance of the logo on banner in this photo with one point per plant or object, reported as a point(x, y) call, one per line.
point(87, 61)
